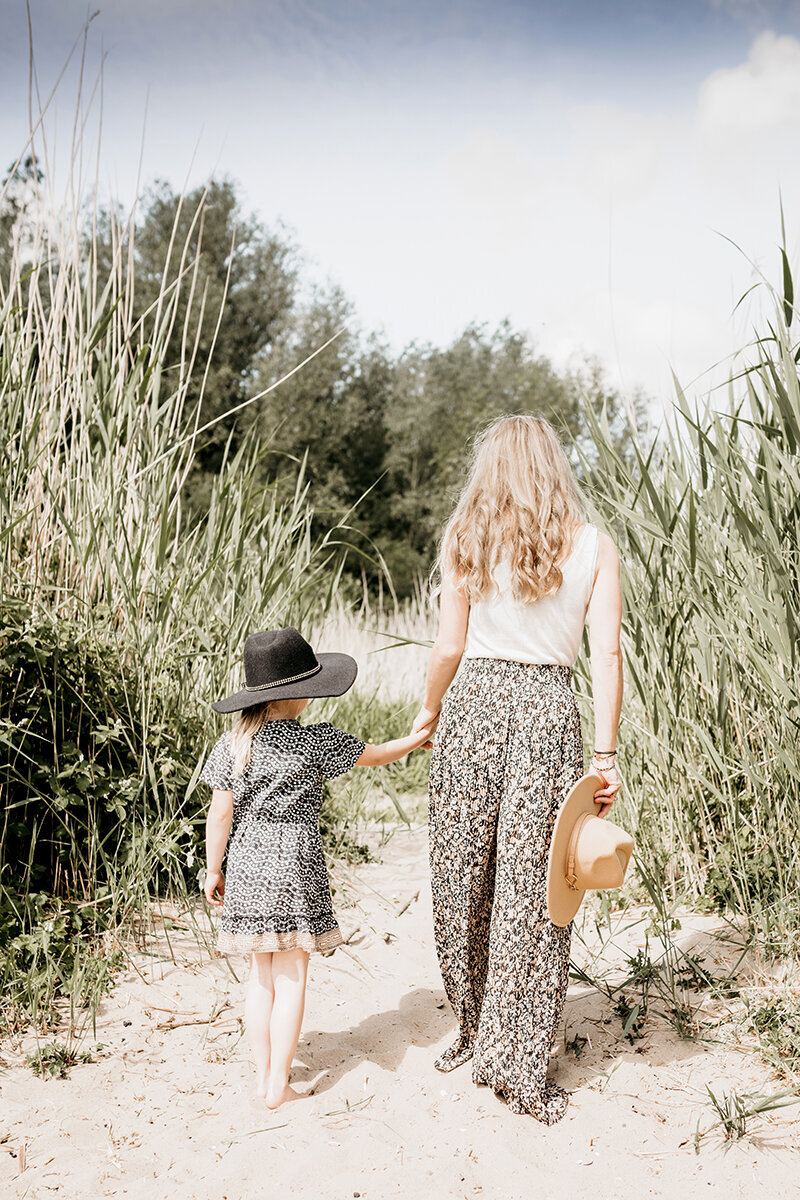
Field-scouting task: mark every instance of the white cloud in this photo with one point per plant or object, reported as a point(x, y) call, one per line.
point(619, 152)
point(595, 225)
point(760, 95)
point(492, 175)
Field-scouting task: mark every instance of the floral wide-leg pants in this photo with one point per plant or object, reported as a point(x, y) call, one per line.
point(508, 748)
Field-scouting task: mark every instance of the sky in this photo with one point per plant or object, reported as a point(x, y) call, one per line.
point(579, 167)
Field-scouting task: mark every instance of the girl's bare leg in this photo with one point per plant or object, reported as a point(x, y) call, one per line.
point(258, 1002)
point(289, 973)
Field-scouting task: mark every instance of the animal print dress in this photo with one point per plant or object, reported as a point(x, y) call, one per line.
point(508, 748)
point(277, 894)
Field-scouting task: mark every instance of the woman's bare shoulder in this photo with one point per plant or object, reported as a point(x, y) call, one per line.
point(604, 541)
point(607, 553)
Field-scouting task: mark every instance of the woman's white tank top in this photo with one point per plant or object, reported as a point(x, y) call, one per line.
point(548, 630)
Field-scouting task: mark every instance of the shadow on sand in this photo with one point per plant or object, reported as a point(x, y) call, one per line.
point(422, 1018)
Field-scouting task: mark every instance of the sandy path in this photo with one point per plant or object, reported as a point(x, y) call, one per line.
point(167, 1111)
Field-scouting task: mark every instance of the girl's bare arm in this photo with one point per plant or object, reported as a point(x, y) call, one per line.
point(218, 828)
point(387, 752)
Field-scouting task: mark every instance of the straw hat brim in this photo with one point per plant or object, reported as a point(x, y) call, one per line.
point(338, 674)
point(563, 901)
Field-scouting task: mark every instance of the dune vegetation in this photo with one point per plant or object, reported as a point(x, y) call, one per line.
point(708, 523)
point(130, 578)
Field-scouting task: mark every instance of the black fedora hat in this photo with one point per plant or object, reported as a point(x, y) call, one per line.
point(279, 664)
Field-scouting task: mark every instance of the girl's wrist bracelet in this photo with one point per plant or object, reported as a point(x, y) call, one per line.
point(604, 753)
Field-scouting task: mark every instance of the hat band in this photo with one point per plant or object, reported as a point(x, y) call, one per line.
point(260, 687)
point(569, 874)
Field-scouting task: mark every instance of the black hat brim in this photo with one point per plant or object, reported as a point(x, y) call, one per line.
point(337, 676)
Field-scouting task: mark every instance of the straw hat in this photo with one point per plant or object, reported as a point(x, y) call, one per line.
point(586, 851)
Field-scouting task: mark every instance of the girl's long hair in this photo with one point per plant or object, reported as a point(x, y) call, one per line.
point(521, 503)
point(245, 727)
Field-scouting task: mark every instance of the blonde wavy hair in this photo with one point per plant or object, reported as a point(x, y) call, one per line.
point(245, 727)
point(521, 503)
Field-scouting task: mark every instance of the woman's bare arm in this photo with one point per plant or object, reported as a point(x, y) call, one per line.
point(605, 619)
point(447, 651)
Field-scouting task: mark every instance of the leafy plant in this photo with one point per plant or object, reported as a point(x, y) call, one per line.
point(122, 613)
point(739, 1112)
point(52, 947)
point(55, 1060)
point(576, 1045)
point(777, 1025)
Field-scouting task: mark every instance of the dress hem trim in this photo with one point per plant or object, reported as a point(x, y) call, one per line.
point(272, 942)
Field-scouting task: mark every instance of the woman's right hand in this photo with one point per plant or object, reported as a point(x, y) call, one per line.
point(426, 718)
point(214, 888)
point(605, 796)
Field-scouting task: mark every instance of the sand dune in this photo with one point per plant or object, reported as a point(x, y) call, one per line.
point(165, 1110)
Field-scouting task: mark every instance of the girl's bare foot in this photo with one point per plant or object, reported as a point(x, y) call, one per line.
point(276, 1096)
point(261, 1087)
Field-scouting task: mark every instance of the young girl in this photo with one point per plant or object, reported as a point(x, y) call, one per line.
point(267, 777)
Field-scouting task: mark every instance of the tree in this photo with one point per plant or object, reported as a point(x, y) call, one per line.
point(333, 412)
point(443, 397)
point(21, 191)
point(393, 435)
point(388, 435)
point(234, 300)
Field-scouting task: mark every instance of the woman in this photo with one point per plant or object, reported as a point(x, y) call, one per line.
point(520, 569)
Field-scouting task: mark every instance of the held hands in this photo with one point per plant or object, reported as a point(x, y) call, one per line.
point(214, 888)
point(389, 752)
point(426, 718)
point(419, 738)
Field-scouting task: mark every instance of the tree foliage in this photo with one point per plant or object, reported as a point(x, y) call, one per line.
point(244, 276)
point(385, 437)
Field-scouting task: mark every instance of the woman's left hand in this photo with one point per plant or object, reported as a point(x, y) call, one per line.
point(426, 719)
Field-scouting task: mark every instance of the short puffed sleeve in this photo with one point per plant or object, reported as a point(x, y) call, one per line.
point(336, 751)
point(218, 769)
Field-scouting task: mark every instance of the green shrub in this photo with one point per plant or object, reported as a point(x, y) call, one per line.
point(71, 773)
point(55, 1060)
point(777, 1025)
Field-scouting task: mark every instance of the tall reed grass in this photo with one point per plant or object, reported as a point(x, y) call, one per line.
point(122, 613)
point(708, 526)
